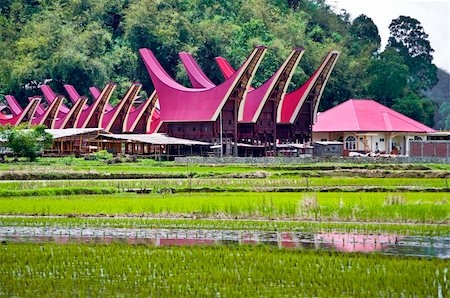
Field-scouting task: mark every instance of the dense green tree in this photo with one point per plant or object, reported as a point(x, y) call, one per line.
point(408, 37)
point(364, 35)
point(443, 116)
point(415, 107)
point(26, 142)
point(389, 77)
point(91, 42)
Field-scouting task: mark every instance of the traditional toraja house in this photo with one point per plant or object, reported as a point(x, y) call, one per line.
point(257, 111)
point(20, 116)
point(193, 113)
point(295, 111)
point(366, 126)
point(232, 114)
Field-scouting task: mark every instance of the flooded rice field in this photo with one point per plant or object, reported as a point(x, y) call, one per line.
point(421, 246)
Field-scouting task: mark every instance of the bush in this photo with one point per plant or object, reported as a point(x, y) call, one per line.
point(101, 155)
point(27, 143)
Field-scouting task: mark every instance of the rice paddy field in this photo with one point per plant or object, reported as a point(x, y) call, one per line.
point(87, 228)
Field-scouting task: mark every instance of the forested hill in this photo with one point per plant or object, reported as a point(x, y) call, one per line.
point(91, 42)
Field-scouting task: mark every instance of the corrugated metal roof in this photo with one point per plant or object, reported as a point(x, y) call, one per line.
point(155, 139)
point(68, 132)
point(362, 115)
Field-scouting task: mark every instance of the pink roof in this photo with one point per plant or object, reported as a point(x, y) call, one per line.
point(145, 116)
point(93, 116)
point(179, 103)
point(74, 95)
point(121, 110)
point(50, 115)
point(366, 115)
point(196, 75)
point(50, 96)
point(14, 106)
point(291, 103)
point(95, 92)
point(252, 105)
point(27, 113)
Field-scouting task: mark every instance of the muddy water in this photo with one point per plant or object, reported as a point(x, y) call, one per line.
point(422, 246)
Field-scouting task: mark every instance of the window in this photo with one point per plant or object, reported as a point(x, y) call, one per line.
point(350, 143)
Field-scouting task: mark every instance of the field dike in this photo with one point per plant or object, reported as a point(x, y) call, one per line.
point(361, 173)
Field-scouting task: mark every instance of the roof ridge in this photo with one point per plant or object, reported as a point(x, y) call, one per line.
point(354, 114)
point(407, 120)
point(387, 121)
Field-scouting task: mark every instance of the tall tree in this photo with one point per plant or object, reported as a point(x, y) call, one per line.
point(388, 77)
point(364, 35)
point(420, 109)
point(408, 37)
point(443, 116)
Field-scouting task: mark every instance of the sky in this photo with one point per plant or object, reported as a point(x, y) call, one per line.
point(434, 15)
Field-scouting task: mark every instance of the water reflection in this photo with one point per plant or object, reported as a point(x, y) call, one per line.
point(347, 242)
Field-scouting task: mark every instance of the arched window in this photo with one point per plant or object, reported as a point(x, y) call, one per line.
point(350, 143)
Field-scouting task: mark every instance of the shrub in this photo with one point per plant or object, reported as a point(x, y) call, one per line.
point(26, 142)
point(101, 155)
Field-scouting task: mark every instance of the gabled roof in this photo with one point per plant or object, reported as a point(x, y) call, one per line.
point(366, 115)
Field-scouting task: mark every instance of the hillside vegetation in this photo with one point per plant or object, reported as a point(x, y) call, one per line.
point(91, 42)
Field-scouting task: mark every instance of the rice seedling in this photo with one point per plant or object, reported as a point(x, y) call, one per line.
point(225, 271)
point(417, 207)
point(46, 168)
point(232, 184)
point(217, 224)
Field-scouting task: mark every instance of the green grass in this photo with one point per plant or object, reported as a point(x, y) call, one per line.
point(387, 207)
point(57, 191)
point(148, 166)
point(231, 184)
point(208, 224)
point(116, 270)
